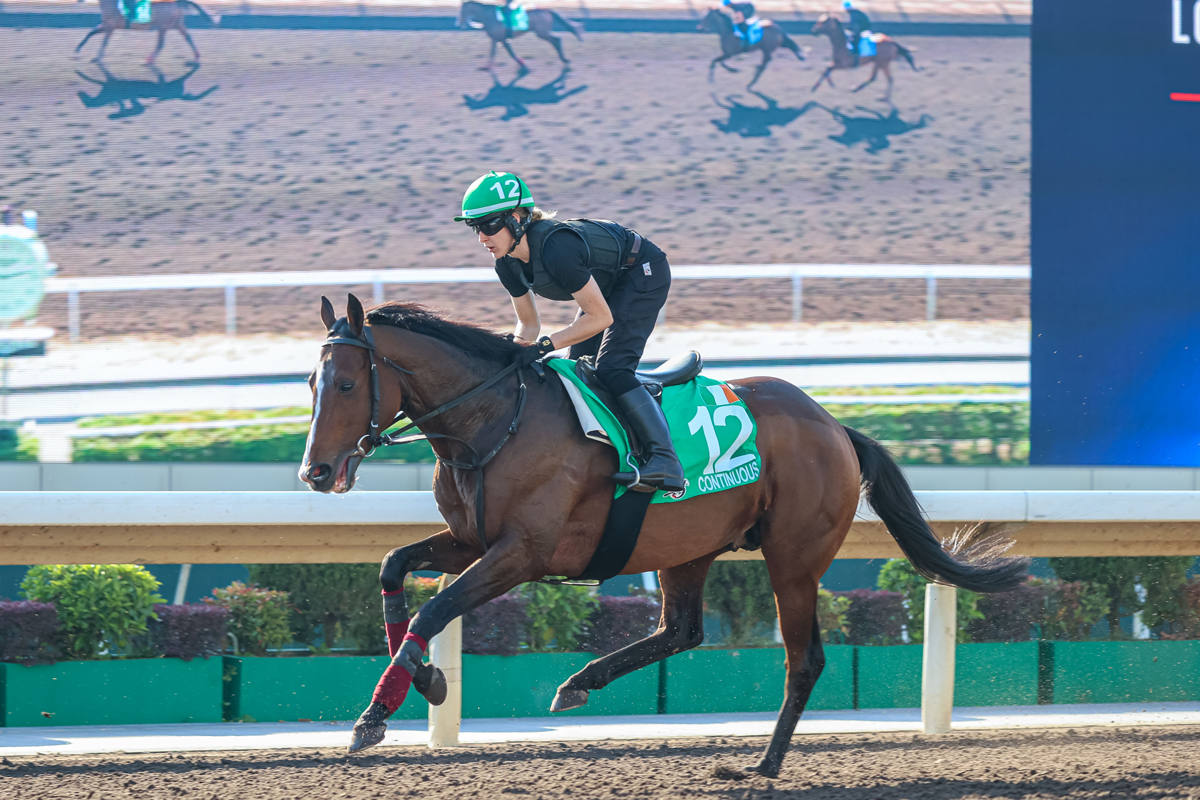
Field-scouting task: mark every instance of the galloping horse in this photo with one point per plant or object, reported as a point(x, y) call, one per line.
point(166, 16)
point(886, 51)
point(541, 23)
point(773, 37)
point(548, 490)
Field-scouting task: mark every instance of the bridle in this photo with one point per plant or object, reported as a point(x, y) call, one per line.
point(373, 439)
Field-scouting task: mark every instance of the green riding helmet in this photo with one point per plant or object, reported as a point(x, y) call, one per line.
point(496, 191)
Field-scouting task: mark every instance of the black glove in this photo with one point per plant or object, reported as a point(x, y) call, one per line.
point(527, 355)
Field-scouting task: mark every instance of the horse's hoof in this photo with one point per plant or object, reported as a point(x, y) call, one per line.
point(370, 728)
point(764, 768)
point(566, 699)
point(431, 683)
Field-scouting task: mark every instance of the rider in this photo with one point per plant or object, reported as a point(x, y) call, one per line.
point(742, 12)
point(859, 24)
point(619, 279)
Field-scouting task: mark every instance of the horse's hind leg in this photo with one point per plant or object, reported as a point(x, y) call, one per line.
point(759, 71)
point(870, 80)
point(556, 42)
point(680, 628)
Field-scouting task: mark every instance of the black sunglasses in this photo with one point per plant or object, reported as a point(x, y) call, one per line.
point(489, 226)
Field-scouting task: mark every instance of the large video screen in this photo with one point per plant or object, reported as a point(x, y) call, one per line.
point(331, 149)
point(1116, 233)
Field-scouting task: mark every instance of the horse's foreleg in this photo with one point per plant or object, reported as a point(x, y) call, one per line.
point(499, 570)
point(825, 76)
point(681, 628)
point(759, 71)
point(511, 52)
point(90, 34)
point(491, 58)
point(162, 37)
point(888, 72)
point(103, 45)
point(870, 80)
point(188, 38)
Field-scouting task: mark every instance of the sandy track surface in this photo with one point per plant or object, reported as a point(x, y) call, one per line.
point(1086, 763)
point(321, 150)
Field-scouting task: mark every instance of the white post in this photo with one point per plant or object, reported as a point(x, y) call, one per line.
point(931, 298)
point(73, 316)
point(445, 653)
point(230, 311)
point(797, 298)
point(377, 292)
point(185, 574)
point(937, 678)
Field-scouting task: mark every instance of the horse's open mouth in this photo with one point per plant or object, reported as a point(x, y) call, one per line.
point(344, 481)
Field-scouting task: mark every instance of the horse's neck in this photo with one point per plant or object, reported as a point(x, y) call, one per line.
point(836, 33)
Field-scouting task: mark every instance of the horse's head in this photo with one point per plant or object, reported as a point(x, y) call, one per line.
point(712, 21)
point(344, 402)
point(466, 15)
point(825, 24)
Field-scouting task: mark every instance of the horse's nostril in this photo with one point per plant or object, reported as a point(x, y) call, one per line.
point(319, 472)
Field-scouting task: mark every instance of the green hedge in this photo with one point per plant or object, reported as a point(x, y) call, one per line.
point(16, 446)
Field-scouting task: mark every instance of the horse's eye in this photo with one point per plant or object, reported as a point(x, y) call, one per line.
point(345, 388)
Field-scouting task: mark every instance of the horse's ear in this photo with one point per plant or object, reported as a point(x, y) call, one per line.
point(327, 315)
point(355, 315)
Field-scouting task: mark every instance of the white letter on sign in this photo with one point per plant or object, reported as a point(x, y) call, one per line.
point(1196, 22)
point(1177, 34)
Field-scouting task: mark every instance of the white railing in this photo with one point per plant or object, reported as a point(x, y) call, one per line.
point(286, 527)
point(230, 282)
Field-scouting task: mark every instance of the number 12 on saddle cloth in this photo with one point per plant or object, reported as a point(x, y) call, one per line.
point(712, 430)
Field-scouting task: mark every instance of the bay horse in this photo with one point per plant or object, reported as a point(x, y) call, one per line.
point(164, 16)
point(773, 37)
point(541, 25)
point(887, 50)
point(547, 489)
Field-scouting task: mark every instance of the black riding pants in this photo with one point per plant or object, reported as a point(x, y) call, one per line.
point(635, 299)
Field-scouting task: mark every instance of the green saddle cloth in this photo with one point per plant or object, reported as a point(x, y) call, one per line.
point(515, 18)
point(712, 430)
point(136, 11)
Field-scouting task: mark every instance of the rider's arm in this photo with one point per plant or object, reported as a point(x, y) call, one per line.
point(596, 316)
point(529, 324)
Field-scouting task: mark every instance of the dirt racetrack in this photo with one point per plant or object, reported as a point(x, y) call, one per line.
point(336, 149)
point(1146, 763)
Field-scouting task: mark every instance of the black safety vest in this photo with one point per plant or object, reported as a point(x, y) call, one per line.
point(608, 245)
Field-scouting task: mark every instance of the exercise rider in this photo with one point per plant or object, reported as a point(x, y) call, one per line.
point(619, 279)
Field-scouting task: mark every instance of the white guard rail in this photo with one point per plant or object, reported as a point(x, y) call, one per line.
point(230, 282)
point(297, 527)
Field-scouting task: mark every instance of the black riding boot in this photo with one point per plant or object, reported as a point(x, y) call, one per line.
point(661, 467)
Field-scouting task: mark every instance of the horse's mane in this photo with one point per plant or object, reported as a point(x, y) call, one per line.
point(468, 337)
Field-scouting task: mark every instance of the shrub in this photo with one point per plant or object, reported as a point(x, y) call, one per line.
point(874, 617)
point(496, 628)
point(1187, 625)
point(739, 594)
point(831, 616)
point(258, 617)
point(192, 630)
point(1072, 609)
point(332, 601)
point(28, 632)
point(100, 606)
point(1161, 577)
point(621, 621)
point(1015, 616)
point(898, 575)
point(556, 617)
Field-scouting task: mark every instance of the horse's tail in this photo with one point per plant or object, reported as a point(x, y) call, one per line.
point(790, 44)
point(570, 24)
point(983, 567)
point(213, 20)
point(907, 54)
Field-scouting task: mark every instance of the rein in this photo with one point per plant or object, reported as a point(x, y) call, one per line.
point(340, 333)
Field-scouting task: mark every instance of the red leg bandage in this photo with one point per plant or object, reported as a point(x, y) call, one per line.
point(393, 686)
point(395, 630)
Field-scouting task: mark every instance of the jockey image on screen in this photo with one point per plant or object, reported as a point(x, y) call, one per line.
point(858, 27)
point(620, 280)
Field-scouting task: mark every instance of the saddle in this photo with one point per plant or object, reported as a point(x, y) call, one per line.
point(515, 18)
point(754, 32)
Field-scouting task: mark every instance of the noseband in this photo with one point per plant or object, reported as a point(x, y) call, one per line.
point(341, 333)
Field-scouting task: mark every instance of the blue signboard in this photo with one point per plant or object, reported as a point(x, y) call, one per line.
point(1116, 232)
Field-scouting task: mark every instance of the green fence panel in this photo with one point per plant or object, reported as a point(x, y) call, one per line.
point(134, 692)
point(1004, 674)
point(889, 677)
point(729, 681)
point(524, 686)
point(316, 688)
point(1126, 672)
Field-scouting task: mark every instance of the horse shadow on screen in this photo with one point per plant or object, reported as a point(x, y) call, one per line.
point(873, 128)
point(751, 121)
point(126, 94)
point(515, 100)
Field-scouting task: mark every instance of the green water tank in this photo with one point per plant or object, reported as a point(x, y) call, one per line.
point(24, 264)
